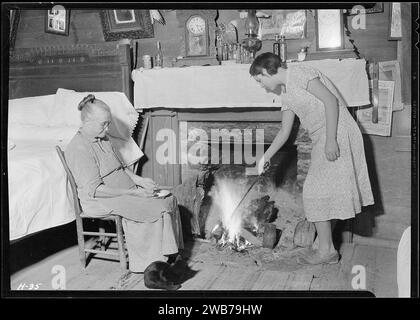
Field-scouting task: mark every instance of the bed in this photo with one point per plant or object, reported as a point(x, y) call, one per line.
point(44, 90)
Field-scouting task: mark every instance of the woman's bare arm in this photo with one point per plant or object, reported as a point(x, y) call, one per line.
point(330, 101)
point(286, 127)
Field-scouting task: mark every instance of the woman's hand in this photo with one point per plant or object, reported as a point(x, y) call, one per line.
point(332, 152)
point(147, 183)
point(263, 164)
point(142, 192)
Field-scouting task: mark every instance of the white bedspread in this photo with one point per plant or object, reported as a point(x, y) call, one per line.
point(39, 197)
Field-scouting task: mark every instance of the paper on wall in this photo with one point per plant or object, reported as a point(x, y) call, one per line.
point(364, 115)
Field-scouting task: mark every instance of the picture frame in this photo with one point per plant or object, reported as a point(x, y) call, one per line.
point(14, 23)
point(384, 124)
point(390, 71)
point(57, 21)
point(376, 7)
point(395, 25)
point(126, 24)
point(290, 23)
point(329, 30)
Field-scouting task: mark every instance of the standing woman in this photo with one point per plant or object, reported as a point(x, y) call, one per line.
point(337, 184)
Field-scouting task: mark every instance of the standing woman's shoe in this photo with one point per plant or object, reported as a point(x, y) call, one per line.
point(315, 259)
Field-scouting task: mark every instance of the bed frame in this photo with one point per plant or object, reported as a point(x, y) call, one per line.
point(84, 67)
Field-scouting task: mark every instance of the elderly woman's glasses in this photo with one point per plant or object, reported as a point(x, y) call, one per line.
point(105, 124)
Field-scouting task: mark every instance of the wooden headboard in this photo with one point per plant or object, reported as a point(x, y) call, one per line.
point(90, 67)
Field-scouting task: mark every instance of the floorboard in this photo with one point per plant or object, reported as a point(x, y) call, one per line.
point(219, 274)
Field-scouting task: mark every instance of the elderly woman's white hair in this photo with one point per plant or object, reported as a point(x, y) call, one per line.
point(89, 107)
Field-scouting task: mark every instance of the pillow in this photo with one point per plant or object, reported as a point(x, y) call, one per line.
point(32, 110)
point(124, 116)
point(65, 112)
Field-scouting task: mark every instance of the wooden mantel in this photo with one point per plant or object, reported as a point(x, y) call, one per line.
point(219, 97)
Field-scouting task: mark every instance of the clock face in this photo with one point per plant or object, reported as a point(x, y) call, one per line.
point(196, 25)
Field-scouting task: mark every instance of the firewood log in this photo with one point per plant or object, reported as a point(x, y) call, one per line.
point(250, 237)
point(304, 234)
point(270, 235)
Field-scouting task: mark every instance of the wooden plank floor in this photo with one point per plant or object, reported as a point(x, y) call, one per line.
point(379, 262)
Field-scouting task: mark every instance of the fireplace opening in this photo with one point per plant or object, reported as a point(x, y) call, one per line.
point(267, 218)
point(254, 225)
point(230, 151)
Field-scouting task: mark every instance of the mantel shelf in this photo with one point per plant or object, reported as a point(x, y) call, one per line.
point(231, 86)
point(333, 54)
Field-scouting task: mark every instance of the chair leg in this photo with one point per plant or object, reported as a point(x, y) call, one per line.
point(121, 244)
point(102, 239)
point(81, 242)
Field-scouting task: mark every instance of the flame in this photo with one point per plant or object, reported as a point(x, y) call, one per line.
point(227, 195)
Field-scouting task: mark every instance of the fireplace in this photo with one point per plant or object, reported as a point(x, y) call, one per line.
point(180, 100)
point(233, 173)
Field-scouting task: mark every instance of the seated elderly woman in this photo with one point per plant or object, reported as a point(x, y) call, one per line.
point(105, 186)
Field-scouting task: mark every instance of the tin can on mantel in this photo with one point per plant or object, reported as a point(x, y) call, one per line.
point(147, 61)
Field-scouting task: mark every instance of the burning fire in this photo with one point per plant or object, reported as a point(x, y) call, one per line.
point(226, 195)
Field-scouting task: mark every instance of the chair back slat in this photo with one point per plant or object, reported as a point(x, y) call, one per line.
point(76, 202)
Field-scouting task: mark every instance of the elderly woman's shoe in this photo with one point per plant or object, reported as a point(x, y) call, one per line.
point(315, 259)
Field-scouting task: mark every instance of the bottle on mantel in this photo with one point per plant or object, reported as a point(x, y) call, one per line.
point(283, 50)
point(159, 56)
point(276, 45)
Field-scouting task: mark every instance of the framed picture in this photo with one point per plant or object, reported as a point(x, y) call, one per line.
point(329, 29)
point(57, 21)
point(288, 23)
point(14, 22)
point(394, 26)
point(364, 115)
point(126, 24)
point(390, 71)
point(369, 8)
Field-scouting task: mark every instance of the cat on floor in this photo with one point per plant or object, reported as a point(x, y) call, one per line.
point(167, 276)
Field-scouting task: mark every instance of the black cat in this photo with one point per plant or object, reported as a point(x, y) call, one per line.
point(163, 275)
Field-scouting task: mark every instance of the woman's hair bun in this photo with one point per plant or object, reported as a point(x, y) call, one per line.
point(89, 98)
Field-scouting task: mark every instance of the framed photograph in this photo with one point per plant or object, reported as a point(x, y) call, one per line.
point(376, 7)
point(57, 21)
point(126, 24)
point(390, 71)
point(329, 30)
point(288, 23)
point(394, 26)
point(364, 115)
point(14, 22)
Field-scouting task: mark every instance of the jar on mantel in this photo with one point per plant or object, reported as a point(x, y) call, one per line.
point(302, 54)
point(225, 52)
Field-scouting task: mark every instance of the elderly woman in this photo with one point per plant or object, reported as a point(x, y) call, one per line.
point(105, 186)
